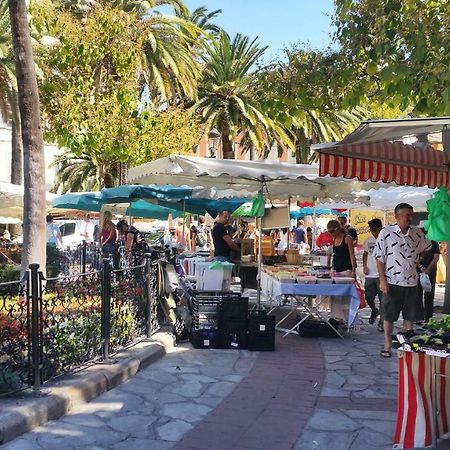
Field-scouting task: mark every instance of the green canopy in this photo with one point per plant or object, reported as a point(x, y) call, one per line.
point(256, 208)
point(437, 225)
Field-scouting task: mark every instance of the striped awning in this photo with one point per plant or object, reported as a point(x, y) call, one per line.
point(418, 165)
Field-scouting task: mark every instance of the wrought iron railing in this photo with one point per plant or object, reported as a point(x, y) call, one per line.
point(14, 336)
point(51, 326)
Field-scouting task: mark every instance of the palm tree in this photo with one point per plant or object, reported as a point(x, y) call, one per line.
point(202, 18)
point(9, 108)
point(311, 127)
point(170, 67)
point(84, 173)
point(225, 95)
point(34, 249)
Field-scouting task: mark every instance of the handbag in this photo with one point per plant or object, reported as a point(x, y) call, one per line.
point(361, 295)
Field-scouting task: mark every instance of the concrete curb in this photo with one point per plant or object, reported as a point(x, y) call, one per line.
point(61, 396)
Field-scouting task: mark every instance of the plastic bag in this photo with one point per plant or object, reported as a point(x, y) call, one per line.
point(438, 216)
point(425, 282)
point(362, 297)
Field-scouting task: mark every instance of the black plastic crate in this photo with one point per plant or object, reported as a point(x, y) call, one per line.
point(317, 328)
point(233, 308)
point(261, 343)
point(233, 334)
point(261, 325)
point(205, 339)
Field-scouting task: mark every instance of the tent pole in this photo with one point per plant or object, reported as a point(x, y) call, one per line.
point(446, 307)
point(184, 225)
point(314, 227)
point(258, 285)
point(289, 222)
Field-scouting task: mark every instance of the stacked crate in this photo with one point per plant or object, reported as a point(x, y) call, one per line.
point(261, 331)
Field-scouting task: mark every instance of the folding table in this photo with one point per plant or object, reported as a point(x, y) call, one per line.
point(302, 293)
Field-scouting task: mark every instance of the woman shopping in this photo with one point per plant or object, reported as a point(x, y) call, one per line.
point(108, 234)
point(344, 261)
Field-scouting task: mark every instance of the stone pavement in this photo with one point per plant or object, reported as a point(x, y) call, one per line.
point(309, 394)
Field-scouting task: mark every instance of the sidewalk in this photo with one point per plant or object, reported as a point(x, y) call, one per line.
point(309, 394)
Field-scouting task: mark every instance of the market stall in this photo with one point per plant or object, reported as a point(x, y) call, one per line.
point(314, 294)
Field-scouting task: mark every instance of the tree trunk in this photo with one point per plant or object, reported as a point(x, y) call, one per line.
point(227, 144)
point(16, 162)
point(34, 231)
point(16, 152)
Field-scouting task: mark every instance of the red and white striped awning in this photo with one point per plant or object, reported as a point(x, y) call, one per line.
point(387, 162)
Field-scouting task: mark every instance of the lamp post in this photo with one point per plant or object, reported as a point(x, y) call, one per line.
point(213, 142)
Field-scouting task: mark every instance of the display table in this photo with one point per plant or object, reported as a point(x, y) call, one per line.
point(344, 298)
point(423, 399)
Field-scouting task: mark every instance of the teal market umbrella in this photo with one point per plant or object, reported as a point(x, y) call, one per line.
point(83, 201)
point(141, 208)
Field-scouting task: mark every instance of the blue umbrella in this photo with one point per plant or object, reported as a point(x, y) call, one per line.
point(84, 201)
point(201, 206)
point(308, 211)
point(130, 192)
point(141, 208)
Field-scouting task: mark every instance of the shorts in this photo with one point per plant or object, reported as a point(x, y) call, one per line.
point(372, 288)
point(401, 299)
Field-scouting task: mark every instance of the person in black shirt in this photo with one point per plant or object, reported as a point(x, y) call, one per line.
point(223, 242)
point(133, 237)
point(349, 229)
point(428, 264)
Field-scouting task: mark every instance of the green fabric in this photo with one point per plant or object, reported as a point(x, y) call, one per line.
point(256, 208)
point(221, 265)
point(438, 208)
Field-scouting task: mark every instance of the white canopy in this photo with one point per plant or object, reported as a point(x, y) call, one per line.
point(11, 202)
point(245, 177)
point(385, 199)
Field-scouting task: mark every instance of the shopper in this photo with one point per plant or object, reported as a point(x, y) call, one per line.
point(372, 279)
point(428, 265)
point(344, 261)
point(223, 242)
point(397, 252)
point(87, 229)
point(299, 233)
point(108, 234)
point(349, 229)
point(203, 236)
point(132, 236)
point(54, 236)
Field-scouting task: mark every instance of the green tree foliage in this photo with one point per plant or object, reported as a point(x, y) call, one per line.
point(226, 97)
point(399, 49)
point(90, 85)
point(307, 96)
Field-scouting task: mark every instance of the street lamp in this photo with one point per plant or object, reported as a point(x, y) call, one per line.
point(213, 142)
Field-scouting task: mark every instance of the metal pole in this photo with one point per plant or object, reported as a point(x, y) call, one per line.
point(258, 285)
point(149, 305)
point(35, 341)
point(183, 238)
point(83, 257)
point(314, 228)
point(106, 307)
point(446, 308)
point(289, 223)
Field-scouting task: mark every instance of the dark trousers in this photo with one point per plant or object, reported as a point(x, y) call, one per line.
point(427, 298)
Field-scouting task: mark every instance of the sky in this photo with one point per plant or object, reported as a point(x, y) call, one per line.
point(277, 23)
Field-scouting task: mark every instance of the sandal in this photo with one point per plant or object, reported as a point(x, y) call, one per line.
point(385, 353)
point(373, 316)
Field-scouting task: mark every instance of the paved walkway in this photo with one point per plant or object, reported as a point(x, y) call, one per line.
point(309, 394)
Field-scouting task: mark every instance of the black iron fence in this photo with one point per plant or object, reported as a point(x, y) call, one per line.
point(51, 326)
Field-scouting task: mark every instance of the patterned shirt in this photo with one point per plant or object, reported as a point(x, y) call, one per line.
point(400, 253)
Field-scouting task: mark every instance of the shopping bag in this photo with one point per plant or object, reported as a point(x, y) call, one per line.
point(361, 295)
point(425, 282)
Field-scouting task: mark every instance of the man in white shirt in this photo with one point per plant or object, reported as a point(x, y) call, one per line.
point(87, 229)
point(398, 252)
point(53, 233)
point(372, 279)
